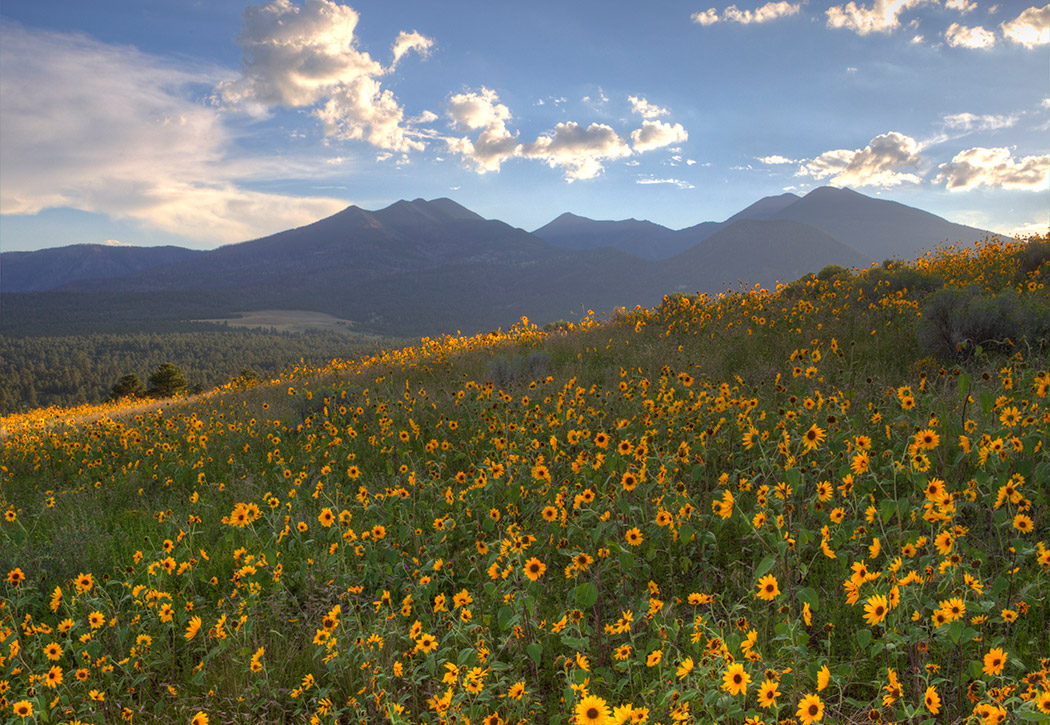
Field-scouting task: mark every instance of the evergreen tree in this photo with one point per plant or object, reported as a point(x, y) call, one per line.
point(167, 381)
point(128, 386)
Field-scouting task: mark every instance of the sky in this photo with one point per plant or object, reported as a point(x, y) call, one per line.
point(200, 123)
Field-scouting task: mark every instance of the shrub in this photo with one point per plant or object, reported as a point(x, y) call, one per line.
point(892, 277)
point(503, 372)
point(128, 386)
point(832, 272)
point(1033, 257)
point(954, 322)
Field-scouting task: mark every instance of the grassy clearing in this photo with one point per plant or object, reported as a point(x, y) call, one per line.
point(286, 321)
point(756, 508)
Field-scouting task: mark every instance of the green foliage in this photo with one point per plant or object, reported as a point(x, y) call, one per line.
point(893, 277)
point(166, 381)
point(78, 369)
point(1033, 261)
point(955, 322)
point(833, 272)
point(129, 386)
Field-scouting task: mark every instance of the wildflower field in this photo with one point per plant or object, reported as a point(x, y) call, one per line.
point(815, 504)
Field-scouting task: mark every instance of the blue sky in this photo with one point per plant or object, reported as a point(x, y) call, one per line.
point(203, 123)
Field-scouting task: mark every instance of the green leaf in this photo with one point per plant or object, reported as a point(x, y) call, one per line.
point(1033, 716)
point(792, 476)
point(535, 651)
point(809, 596)
point(765, 566)
point(863, 638)
point(686, 533)
point(586, 595)
point(987, 401)
point(964, 385)
point(580, 644)
point(506, 618)
point(888, 507)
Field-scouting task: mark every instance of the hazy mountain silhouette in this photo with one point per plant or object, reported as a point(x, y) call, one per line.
point(874, 227)
point(426, 267)
point(50, 268)
point(640, 238)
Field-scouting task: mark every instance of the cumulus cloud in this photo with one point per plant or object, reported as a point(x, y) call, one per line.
point(579, 151)
point(882, 16)
point(733, 14)
point(963, 6)
point(769, 11)
point(706, 17)
point(881, 163)
point(656, 134)
point(775, 159)
point(961, 36)
point(1030, 28)
point(299, 57)
point(995, 168)
point(112, 130)
point(645, 109)
point(411, 41)
point(482, 110)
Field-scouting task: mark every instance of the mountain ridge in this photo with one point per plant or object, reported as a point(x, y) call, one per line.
point(427, 267)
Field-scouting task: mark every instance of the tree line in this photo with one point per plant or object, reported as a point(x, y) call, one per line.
point(36, 372)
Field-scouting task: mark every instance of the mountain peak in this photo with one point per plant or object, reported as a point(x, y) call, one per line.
point(442, 209)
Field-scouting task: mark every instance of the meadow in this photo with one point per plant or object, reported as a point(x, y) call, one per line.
point(812, 504)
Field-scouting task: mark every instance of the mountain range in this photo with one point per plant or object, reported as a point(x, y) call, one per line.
point(428, 267)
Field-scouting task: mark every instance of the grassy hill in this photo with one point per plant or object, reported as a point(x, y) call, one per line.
point(821, 503)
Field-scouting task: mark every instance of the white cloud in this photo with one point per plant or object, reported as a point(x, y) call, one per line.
point(1030, 28)
point(674, 182)
point(411, 41)
point(882, 16)
point(705, 17)
point(117, 243)
point(963, 6)
point(775, 159)
point(881, 163)
point(299, 57)
point(995, 168)
point(111, 130)
point(733, 14)
point(656, 134)
point(482, 110)
point(961, 36)
point(769, 11)
point(645, 109)
point(974, 122)
point(1026, 230)
point(580, 151)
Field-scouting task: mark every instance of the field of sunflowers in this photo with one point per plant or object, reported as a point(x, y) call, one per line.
point(766, 506)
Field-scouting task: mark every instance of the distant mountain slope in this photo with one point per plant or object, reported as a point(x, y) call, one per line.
point(765, 208)
point(641, 238)
point(762, 251)
point(359, 244)
point(876, 227)
point(421, 267)
point(50, 268)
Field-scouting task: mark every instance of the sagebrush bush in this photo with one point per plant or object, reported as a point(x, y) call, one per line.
point(956, 321)
point(503, 372)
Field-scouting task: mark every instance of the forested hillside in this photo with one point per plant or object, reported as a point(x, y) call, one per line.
point(75, 369)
